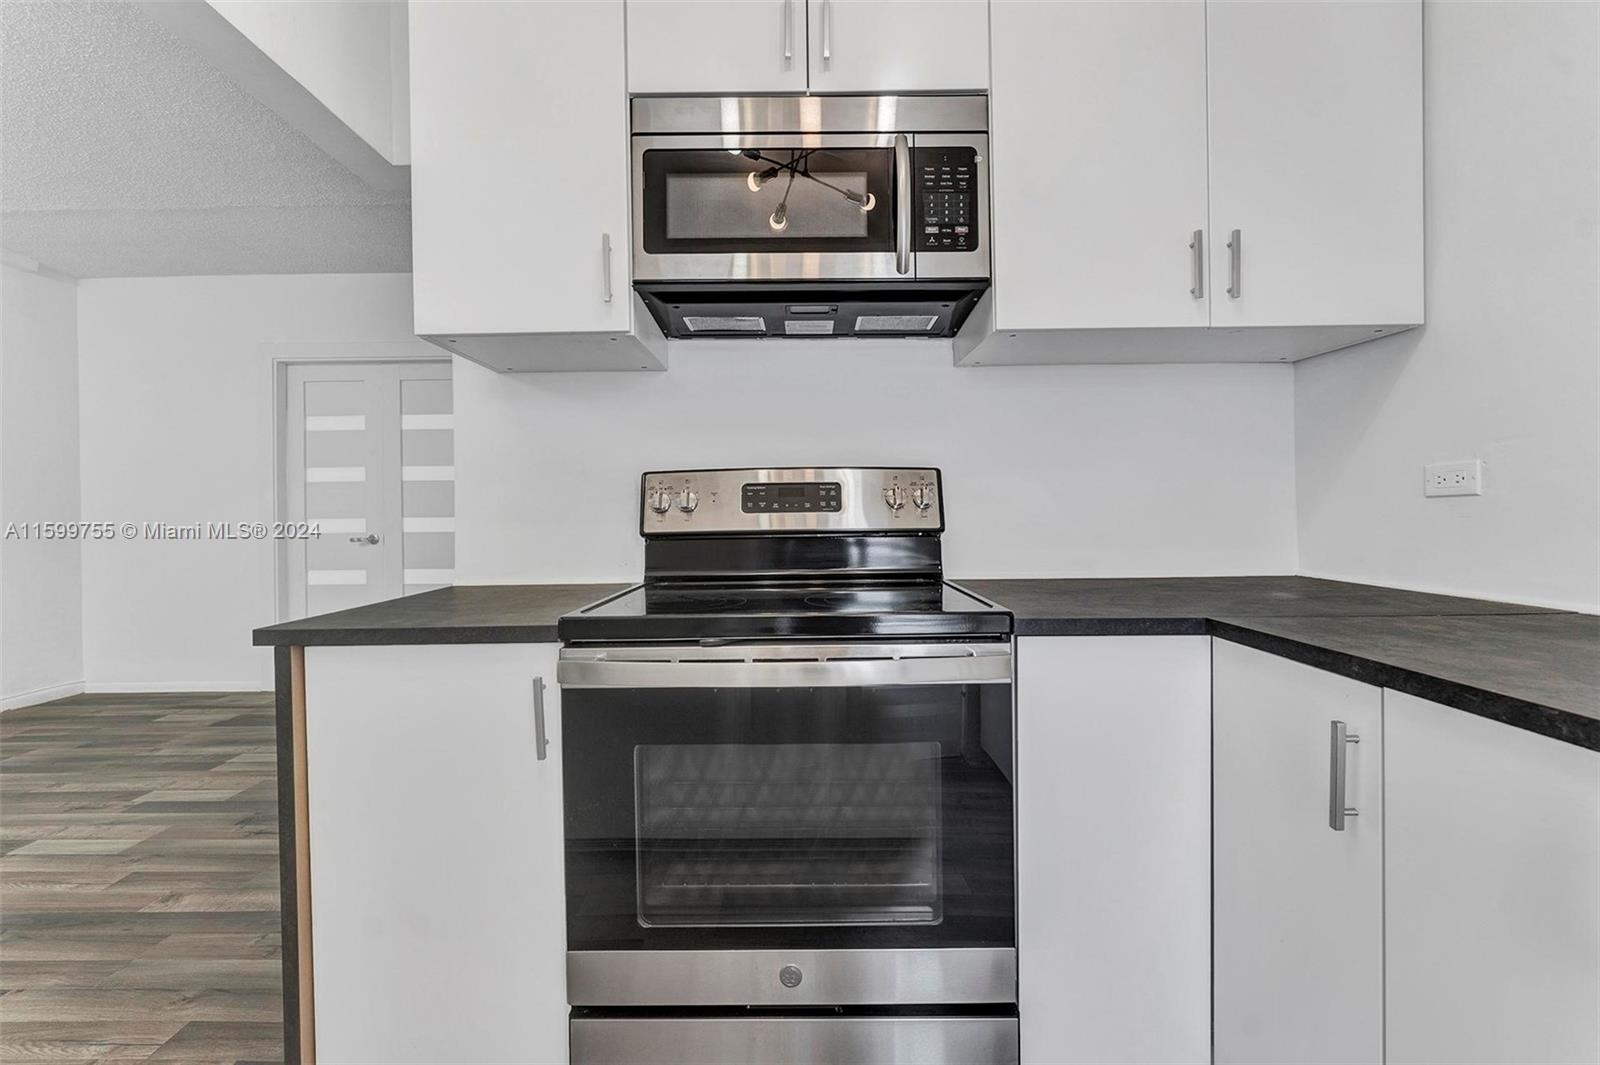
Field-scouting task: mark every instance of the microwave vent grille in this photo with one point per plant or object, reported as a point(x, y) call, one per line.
point(808, 328)
point(711, 323)
point(896, 323)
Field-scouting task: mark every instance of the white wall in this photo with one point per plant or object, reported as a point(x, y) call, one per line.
point(1049, 470)
point(350, 54)
point(177, 416)
point(1508, 367)
point(41, 581)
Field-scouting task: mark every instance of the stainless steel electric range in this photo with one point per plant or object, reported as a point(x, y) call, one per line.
point(787, 781)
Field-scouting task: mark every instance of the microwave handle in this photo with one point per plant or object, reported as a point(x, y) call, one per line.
point(902, 201)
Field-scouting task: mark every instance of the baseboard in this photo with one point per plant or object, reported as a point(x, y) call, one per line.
point(41, 695)
point(184, 687)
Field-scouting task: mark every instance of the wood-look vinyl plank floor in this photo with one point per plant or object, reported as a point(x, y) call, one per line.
point(138, 881)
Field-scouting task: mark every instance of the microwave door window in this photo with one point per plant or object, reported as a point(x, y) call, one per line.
point(716, 201)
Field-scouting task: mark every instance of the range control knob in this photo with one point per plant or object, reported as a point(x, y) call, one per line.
point(659, 499)
point(922, 496)
point(894, 496)
point(688, 500)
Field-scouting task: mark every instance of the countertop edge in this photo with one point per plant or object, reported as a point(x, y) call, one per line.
point(1552, 722)
point(1548, 721)
point(419, 635)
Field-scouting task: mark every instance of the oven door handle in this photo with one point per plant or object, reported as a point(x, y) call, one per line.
point(784, 666)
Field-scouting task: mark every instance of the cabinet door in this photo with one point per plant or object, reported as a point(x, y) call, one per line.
point(1316, 159)
point(1114, 834)
point(1298, 907)
point(890, 46)
point(713, 46)
point(1493, 869)
point(519, 167)
point(438, 912)
point(1099, 116)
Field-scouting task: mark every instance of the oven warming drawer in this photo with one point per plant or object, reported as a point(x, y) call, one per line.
point(795, 1040)
point(891, 977)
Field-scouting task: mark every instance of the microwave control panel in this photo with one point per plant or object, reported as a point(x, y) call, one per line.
point(945, 209)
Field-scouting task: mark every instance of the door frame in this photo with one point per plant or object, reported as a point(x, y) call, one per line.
point(282, 356)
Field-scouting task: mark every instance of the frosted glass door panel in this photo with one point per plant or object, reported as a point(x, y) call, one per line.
point(369, 463)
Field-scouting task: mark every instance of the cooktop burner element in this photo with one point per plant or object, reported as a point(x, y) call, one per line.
point(763, 554)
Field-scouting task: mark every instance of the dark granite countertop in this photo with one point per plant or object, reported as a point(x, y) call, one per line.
point(1540, 672)
point(466, 613)
point(1527, 666)
point(1136, 606)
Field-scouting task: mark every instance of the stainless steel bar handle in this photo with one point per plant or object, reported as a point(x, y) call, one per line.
point(370, 538)
point(605, 261)
point(795, 665)
point(1235, 245)
point(788, 33)
point(827, 35)
point(541, 742)
point(902, 204)
point(1197, 264)
point(1339, 739)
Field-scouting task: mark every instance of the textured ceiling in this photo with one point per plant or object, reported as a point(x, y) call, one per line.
point(125, 153)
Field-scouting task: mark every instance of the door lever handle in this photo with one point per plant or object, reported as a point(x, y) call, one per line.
point(370, 538)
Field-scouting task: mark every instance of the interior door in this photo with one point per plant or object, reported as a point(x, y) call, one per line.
point(1315, 114)
point(888, 46)
point(691, 46)
point(370, 468)
point(1101, 192)
point(1297, 906)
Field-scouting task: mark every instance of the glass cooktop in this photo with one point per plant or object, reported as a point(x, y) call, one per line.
point(671, 611)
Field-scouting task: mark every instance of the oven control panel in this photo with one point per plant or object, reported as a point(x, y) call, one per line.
point(807, 499)
point(946, 203)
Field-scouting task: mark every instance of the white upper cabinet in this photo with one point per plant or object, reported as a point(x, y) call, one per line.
point(1493, 880)
point(893, 46)
point(1298, 903)
point(519, 183)
point(1316, 160)
point(713, 46)
point(1099, 132)
point(1122, 128)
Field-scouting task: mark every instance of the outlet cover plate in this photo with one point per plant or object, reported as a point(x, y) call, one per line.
point(1464, 478)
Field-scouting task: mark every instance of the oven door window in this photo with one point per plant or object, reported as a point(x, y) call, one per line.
point(788, 834)
point(721, 201)
point(729, 818)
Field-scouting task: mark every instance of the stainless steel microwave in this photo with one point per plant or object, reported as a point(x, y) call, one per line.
point(810, 215)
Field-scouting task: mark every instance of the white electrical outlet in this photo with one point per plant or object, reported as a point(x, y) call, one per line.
point(1463, 478)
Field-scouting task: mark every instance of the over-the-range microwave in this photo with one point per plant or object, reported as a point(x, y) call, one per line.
point(810, 216)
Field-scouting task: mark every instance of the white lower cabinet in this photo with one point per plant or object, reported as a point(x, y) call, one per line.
point(1113, 821)
point(438, 915)
point(1298, 910)
point(1493, 870)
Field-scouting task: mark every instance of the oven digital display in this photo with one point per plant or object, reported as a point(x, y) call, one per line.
point(802, 497)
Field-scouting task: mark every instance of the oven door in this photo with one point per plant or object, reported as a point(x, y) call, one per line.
point(757, 207)
point(789, 824)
